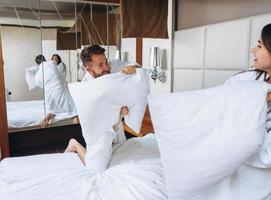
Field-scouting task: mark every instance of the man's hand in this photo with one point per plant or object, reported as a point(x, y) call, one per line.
point(128, 70)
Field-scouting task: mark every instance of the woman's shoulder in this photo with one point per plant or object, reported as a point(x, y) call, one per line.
point(250, 74)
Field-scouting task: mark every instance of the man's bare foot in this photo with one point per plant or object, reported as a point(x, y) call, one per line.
point(71, 146)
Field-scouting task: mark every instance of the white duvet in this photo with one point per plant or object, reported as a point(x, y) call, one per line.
point(135, 172)
point(23, 114)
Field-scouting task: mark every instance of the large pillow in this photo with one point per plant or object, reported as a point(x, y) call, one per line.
point(98, 103)
point(30, 76)
point(206, 135)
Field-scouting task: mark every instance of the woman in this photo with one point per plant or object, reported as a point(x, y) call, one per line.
point(61, 67)
point(261, 71)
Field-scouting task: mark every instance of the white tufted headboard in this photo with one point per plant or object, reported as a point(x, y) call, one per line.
point(206, 56)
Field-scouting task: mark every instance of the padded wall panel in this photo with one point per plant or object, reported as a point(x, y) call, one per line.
point(257, 23)
point(185, 79)
point(189, 48)
point(217, 77)
point(227, 45)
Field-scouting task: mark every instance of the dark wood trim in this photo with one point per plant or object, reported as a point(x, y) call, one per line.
point(108, 1)
point(4, 144)
point(139, 45)
point(176, 28)
point(46, 140)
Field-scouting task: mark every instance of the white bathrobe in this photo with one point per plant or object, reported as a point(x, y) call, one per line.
point(57, 96)
point(61, 67)
point(253, 179)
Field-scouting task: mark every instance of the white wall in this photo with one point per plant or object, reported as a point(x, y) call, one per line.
point(194, 13)
point(208, 55)
point(20, 47)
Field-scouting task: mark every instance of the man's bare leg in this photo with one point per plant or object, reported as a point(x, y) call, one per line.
point(75, 120)
point(76, 147)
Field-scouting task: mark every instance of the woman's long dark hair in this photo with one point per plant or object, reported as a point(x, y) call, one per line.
point(266, 39)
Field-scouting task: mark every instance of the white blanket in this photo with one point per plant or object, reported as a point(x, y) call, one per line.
point(135, 172)
point(23, 114)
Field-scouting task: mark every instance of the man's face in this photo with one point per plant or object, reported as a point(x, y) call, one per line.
point(98, 66)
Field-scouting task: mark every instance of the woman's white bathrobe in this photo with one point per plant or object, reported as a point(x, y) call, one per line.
point(57, 97)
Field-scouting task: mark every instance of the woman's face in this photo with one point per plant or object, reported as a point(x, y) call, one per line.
point(55, 58)
point(262, 57)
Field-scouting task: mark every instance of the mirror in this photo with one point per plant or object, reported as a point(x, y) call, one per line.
point(21, 36)
point(37, 94)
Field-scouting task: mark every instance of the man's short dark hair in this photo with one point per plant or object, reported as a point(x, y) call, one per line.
point(89, 51)
point(39, 59)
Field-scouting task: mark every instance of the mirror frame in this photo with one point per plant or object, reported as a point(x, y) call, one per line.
point(4, 142)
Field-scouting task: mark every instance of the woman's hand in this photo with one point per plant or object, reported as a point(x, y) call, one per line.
point(128, 70)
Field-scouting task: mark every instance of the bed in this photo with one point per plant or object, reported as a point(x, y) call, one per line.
point(135, 172)
point(24, 115)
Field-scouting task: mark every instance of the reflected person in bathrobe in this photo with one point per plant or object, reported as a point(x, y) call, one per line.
point(30, 72)
point(96, 65)
point(61, 67)
point(58, 101)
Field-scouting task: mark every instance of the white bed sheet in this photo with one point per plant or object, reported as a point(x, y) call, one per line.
point(23, 114)
point(135, 172)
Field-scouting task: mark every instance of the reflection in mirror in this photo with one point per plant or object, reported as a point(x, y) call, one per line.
point(59, 67)
point(21, 36)
point(42, 41)
point(73, 26)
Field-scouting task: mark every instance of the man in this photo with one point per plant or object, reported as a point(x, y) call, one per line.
point(96, 65)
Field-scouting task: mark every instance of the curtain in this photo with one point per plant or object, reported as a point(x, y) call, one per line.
point(144, 18)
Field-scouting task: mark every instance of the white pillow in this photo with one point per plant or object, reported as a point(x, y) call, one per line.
point(30, 76)
point(206, 135)
point(98, 102)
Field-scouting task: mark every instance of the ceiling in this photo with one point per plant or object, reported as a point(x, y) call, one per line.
point(49, 9)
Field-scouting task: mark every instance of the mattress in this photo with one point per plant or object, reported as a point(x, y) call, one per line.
point(135, 172)
point(25, 115)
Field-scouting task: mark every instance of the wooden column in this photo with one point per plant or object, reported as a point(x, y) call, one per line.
point(147, 126)
point(139, 44)
point(4, 143)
